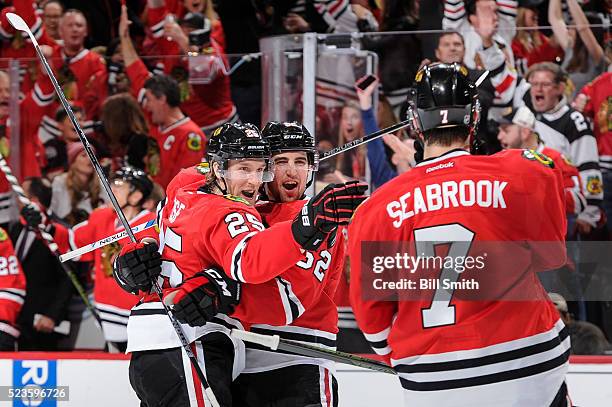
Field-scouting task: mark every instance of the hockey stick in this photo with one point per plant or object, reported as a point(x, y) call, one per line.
point(365, 139)
point(274, 342)
point(18, 23)
point(47, 238)
point(106, 241)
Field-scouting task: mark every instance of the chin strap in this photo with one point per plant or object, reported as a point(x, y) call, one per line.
point(224, 189)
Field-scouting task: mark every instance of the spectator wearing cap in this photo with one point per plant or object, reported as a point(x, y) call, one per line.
point(201, 70)
point(77, 192)
point(517, 130)
point(585, 337)
point(530, 45)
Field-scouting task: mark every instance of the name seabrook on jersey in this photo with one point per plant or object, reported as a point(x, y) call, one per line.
point(448, 194)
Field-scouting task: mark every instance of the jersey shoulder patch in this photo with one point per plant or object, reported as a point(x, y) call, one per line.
point(593, 185)
point(533, 155)
point(194, 142)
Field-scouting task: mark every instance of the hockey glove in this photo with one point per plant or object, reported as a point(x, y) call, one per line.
point(204, 295)
point(137, 265)
point(321, 215)
point(34, 217)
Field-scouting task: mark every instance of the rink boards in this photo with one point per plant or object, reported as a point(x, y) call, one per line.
point(96, 379)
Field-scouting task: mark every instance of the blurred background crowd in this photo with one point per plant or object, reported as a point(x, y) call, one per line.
point(150, 80)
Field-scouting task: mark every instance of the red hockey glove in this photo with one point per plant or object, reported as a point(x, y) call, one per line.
point(204, 295)
point(322, 214)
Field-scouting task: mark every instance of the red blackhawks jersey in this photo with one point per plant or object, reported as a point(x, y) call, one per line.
point(181, 144)
point(483, 335)
point(200, 230)
point(111, 301)
point(599, 109)
point(298, 304)
point(12, 286)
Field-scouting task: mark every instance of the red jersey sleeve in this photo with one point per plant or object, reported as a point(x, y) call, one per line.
point(285, 298)
point(547, 240)
point(12, 286)
point(373, 317)
point(138, 74)
point(247, 253)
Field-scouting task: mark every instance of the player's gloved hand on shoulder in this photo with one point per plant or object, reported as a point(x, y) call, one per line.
point(203, 296)
point(322, 214)
point(137, 265)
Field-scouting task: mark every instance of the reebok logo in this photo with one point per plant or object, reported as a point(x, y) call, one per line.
point(450, 164)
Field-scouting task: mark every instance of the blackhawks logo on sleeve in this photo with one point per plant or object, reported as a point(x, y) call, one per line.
point(593, 185)
point(3, 235)
point(194, 142)
point(533, 155)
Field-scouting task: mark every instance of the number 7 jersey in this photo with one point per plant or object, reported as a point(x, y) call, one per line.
point(443, 336)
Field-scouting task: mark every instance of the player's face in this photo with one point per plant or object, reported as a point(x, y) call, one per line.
point(450, 49)
point(291, 170)
point(509, 136)
point(156, 106)
point(5, 95)
point(350, 124)
point(73, 29)
point(121, 190)
point(244, 177)
point(195, 6)
point(545, 93)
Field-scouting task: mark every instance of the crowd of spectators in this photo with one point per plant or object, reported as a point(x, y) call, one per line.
point(149, 80)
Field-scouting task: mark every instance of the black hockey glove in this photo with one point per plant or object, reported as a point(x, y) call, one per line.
point(322, 214)
point(204, 295)
point(136, 266)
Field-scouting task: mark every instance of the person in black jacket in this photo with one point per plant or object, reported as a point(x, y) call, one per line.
point(48, 289)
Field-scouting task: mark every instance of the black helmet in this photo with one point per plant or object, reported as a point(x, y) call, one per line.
point(236, 141)
point(137, 178)
point(445, 97)
point(291, 136)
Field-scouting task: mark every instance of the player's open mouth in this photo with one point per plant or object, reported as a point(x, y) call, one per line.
point(539, 98)
point(248, 194)
point(290, 185)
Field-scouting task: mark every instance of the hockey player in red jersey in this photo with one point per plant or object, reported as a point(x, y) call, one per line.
point(132, 187)
point(216, 225)
point(306, 292)
point(517, 130)
point(454, 344)
point(12, 293)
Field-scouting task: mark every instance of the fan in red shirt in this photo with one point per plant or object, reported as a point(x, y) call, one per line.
point(131, 187)
point(199, 41)
point(181, 142)
point(490, 220)
point(12, 293)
